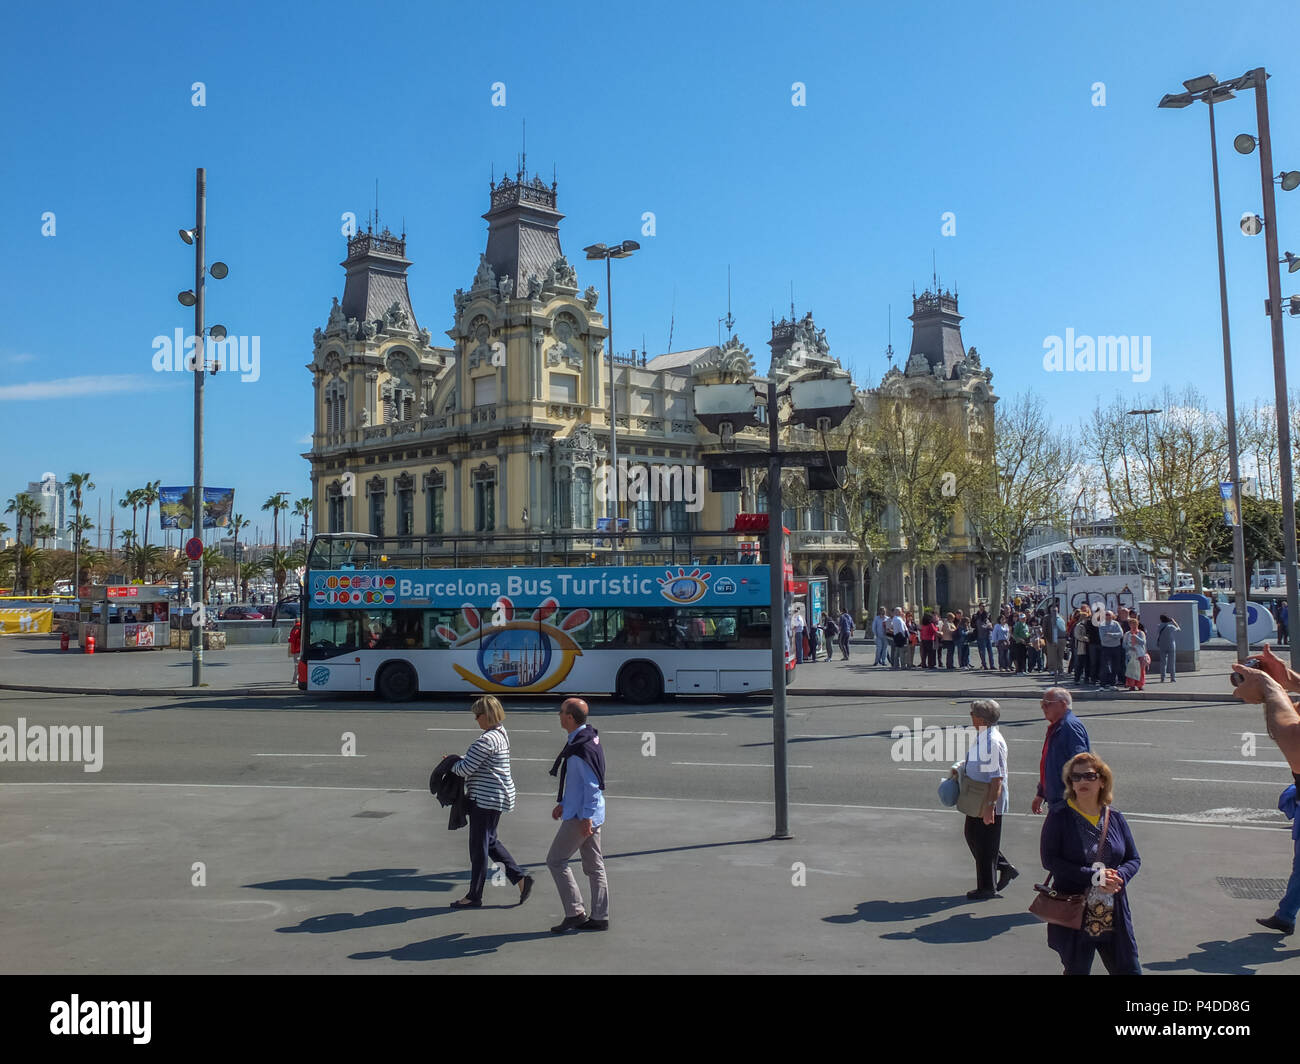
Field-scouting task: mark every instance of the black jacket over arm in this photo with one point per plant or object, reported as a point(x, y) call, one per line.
point(449, 789)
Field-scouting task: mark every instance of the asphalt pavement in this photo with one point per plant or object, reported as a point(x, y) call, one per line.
point(230, 833)
point(35, 663)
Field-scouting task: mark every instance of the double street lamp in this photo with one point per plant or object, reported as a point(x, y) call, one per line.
point(818, 400)
point(596, 252)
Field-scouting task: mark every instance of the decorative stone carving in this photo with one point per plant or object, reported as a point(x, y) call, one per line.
point(591, 297)
point(335, 323)
point(918, 365)
point(395, 317)
point(506, 288)
point(318, 337)
point(485, 277)
point(353, 328)
point(561, 274)
point(534, 286)
point(973, 357)
point(424, 336)
point(370, 329)
point(940, 372)
point(563, 349)
point(480, 334)
point(363, 418)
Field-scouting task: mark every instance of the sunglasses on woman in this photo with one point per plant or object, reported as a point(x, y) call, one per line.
point(1079, 777)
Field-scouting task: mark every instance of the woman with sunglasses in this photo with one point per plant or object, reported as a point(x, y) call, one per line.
point(1087, 847)
point(491, 792)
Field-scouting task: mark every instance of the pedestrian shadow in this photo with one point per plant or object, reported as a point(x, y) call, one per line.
point(964, 927)
point(892, 912)
point(374, 879)
point(455, 946)
point(329, 922)
point(1221, 957)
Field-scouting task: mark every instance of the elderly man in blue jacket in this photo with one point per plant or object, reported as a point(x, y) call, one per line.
point(1066, 736)
point(581, 812)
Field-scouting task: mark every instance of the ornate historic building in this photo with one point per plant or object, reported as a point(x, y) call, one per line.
point(506, 429)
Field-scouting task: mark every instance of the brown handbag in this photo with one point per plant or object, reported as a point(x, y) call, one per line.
point(1055, 906)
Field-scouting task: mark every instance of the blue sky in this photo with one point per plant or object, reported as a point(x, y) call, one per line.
point(1068, 215)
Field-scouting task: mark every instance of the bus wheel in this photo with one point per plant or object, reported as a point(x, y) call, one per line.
point(640, 683)
point(397, 682)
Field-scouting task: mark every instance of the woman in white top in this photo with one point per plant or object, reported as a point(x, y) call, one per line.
point(491, 792)
point(987, 763)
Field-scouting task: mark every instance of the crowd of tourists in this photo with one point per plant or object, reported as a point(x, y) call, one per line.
point(1097, 647)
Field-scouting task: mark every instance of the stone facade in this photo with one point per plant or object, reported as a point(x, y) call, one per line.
point(505, 429)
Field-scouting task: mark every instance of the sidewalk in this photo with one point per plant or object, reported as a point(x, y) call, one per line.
point(35, 663)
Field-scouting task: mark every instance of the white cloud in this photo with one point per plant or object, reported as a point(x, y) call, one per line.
point(305, 441)
point(72, 387)
point(22, 358)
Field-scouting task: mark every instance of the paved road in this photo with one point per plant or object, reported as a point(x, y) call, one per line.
point(319, 862)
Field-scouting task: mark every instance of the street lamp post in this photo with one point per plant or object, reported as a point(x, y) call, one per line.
point(1207, 89)
point(823, 401)
point(596, 252)
point(1258, 79)
point(194, 298)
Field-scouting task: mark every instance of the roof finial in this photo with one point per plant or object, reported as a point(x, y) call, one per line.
point(729, 321)
point(934, 271)
point(792, 301)
point(889, 349)
point(523, 154)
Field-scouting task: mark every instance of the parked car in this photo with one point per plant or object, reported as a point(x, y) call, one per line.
point(289, 608)
point(241, 613)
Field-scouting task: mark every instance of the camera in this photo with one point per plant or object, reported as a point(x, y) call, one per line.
point(1250, 663)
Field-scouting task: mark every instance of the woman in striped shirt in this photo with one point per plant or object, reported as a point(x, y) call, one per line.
point(491, 792)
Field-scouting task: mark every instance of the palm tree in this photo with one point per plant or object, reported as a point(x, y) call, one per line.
point(302, 508)
point(80, 483)
point(148, 496)
point(22, 506)
point(238, 522)
point(247, 571)
point(131, 501)
point(46, 532)
point(78, 527)
point(277, 563)
point(213, 562)
point(275, 504)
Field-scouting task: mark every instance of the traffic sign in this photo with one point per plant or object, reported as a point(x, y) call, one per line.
point(194, 548)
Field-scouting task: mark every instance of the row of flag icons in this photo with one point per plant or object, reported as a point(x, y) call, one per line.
point(323, 597)
point(361, 583)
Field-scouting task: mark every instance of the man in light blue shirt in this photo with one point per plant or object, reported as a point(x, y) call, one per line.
point(878, 629)
point(581, 812)
point(1112, 651)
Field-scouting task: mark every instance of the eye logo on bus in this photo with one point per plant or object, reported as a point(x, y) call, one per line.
point(519, 655)
point(683, 589)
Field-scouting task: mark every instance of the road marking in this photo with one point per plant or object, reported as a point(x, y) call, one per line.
point(1248, 783)
point(656, 731)
point(1252, 764)
point(517, 731)
point(1135, 720)
point(939, 768)
point(728, 764)
point(310, 755)
point(1161, 818)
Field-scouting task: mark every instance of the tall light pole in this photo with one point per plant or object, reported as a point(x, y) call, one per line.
point(1258, 80)
point(1207, 89)
point(1151, 481)
point(194, 298)
point(597, 252)
point(818, 401)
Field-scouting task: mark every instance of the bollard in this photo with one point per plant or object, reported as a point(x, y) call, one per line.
point(90, 644)
point(63, 640)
